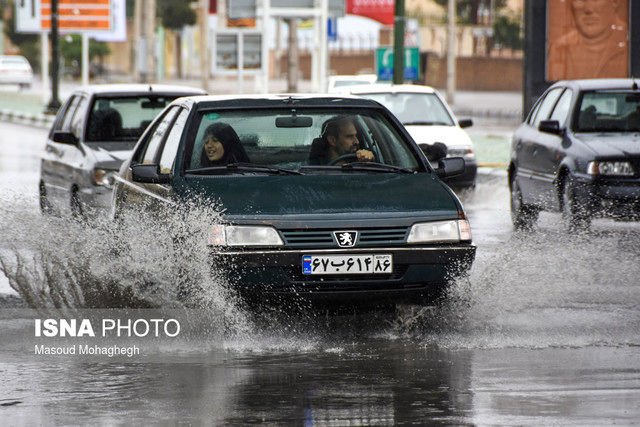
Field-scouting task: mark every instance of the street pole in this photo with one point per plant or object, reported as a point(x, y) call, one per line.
point(451, 51)
point(85, 59)
point(54, 103)
point(292, 57)
point(204, 44)
point(398, 43)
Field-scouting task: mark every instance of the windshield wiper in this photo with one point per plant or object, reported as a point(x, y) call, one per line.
point(243, 167)
point(423, 123)
point(361, 166)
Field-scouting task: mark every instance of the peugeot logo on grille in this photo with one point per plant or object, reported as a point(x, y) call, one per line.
point(346, 239)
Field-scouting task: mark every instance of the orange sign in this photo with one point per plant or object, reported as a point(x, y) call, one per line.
point(78, 15)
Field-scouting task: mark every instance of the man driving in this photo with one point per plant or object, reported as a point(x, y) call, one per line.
point(339, 144)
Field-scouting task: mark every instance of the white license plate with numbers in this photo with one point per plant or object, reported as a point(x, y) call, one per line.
point(347, 264)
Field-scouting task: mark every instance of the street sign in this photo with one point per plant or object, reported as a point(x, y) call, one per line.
point(384, 63)
point(78, 15)
point(74, 16)
point(332, 29)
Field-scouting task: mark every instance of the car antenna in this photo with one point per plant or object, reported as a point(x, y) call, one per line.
point(635, 85)
point(150, 88)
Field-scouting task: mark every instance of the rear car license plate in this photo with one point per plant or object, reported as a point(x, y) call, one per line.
point(347, 264)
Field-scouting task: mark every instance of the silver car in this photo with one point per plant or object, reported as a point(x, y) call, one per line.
point(95, 129)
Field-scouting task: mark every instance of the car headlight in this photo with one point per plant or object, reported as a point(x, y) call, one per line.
point(464, 152)
point(104, 177)
point(440, 232)
point(244, 235)
point(610, 168)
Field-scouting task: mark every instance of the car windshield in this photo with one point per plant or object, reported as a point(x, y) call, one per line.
point(414, 108)
point(311, 140)
point(123, 118)
point(608, 111)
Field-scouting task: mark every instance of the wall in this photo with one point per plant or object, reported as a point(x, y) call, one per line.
point(475, 73)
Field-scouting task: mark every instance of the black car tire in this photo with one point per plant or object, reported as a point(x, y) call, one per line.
point(523, 216)
point(574, 214)
point(45, 204)
point(76, 206)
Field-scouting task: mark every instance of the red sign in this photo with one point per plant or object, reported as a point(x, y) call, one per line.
point(78, 15)
point(379, 10)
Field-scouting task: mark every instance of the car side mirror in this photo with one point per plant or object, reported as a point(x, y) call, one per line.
point(465, 123)
point(550, 126)
point(64, 137)
point(451, 166)
point(148, 173)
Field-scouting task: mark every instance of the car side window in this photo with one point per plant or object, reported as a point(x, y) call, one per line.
point(533, 113)
point(561, 111)
point(78, 118)
point(547, 105)
point(62, 112)
point(66, 122)
point(173, 140)
point(158, 136)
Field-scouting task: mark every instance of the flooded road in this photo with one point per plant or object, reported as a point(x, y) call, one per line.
point(546, 330)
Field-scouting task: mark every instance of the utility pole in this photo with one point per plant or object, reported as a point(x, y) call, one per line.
point(398, 43)
point(150, 30)
point(54, 103)
point(205, 66)
point(451, 51)
point(292, 58)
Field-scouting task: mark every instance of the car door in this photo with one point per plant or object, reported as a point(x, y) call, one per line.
point(55, 171)
point(530, 177)
point(137, 193)
point(549, 151)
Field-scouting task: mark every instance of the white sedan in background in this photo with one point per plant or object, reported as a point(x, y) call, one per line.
point(15, 70)
point(428, 119)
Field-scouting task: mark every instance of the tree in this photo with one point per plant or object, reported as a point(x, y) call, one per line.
point(467, 10)
point(506, 32)
point(174, 15)
point(71, 50)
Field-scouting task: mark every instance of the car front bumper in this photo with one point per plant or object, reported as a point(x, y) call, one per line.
point(617, 198)
point(418, 273)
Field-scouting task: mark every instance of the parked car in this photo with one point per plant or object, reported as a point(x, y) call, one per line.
point(342, 83)
point(428, 118)
point(94, 130)
point(15, 70)
point(295, 219)
point(578, 152)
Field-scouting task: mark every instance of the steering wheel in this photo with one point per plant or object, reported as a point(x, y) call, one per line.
point(350, 156)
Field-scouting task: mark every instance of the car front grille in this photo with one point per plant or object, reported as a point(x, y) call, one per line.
point(315, 239)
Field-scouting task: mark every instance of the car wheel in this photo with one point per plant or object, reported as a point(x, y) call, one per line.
point(523, 216)
point(76, 206)
point(45, 204)
point(573, 213)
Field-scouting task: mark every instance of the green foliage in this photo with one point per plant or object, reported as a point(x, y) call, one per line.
point(467, 10)
point(506, 32)
point(71, 49)
point(175, 14)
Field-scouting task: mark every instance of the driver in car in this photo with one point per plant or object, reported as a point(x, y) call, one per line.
point(339, 144)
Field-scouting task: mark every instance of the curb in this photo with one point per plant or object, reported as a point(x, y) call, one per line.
point(43, 121)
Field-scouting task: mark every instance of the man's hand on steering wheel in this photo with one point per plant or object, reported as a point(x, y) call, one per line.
point(365, 156)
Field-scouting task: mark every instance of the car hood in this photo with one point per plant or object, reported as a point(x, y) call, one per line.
point(611, 144)
point(451, 136)
point(364, 194)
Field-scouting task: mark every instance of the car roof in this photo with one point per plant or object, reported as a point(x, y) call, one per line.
point(391, 88)
point(596, 84)
point(283, 99)
point(138, 88)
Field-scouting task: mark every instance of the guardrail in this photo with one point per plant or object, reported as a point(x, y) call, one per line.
point(39, 120)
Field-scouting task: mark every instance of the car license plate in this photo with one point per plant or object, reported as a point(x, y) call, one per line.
point(347, 264)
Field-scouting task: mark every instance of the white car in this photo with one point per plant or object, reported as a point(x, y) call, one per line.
point(343, 83)
point(15, 70)
point(428, 119)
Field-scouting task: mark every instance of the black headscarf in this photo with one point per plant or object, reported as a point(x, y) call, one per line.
point(233, 150)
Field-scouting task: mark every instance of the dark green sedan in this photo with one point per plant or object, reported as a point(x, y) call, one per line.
point(321, 197)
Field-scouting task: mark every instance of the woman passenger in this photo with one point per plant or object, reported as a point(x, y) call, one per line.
point(221, 146)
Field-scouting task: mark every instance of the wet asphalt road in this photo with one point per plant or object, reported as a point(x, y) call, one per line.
point(545, 331)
